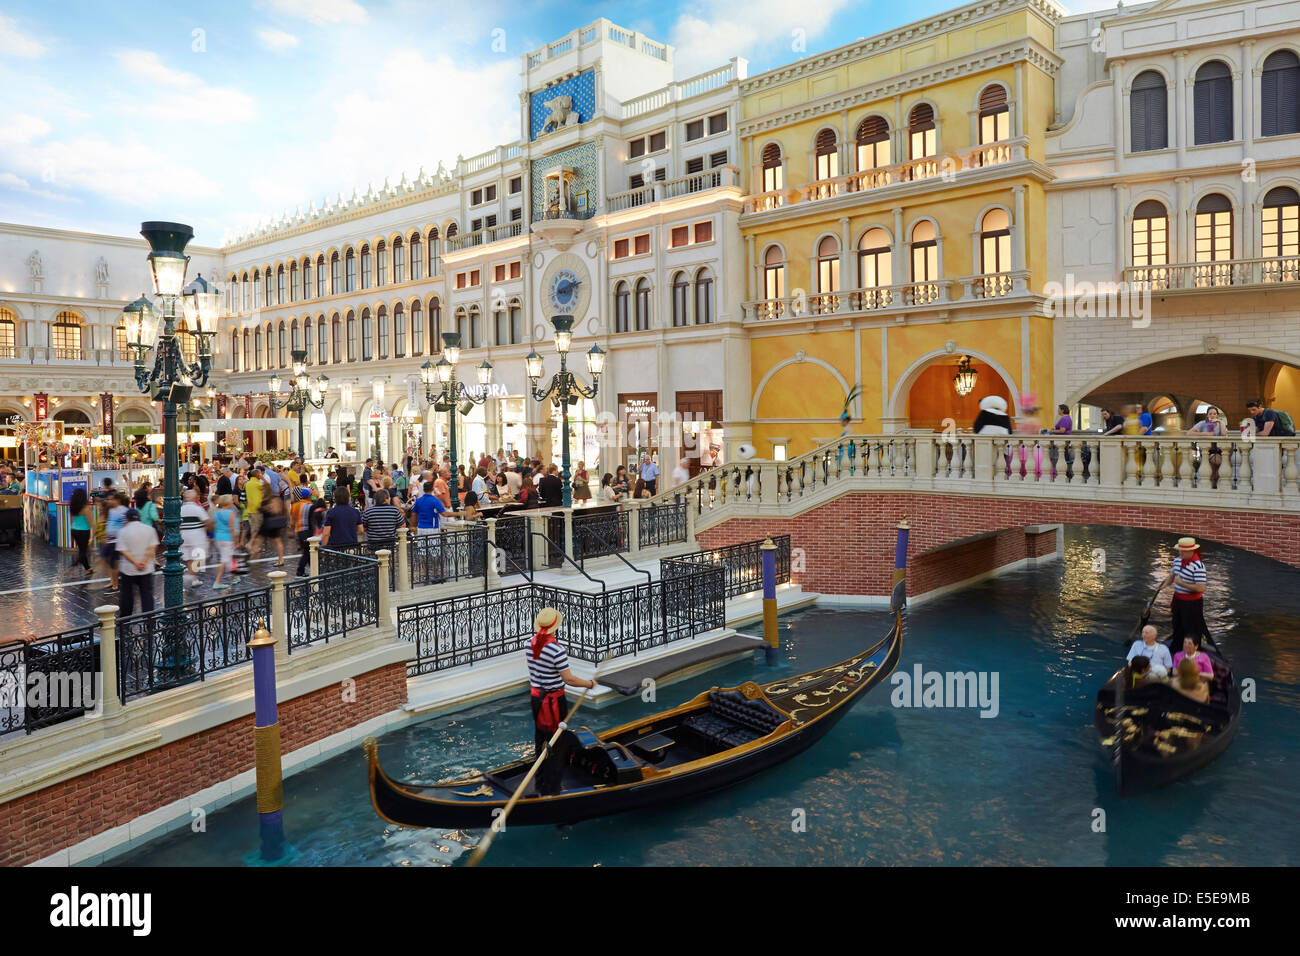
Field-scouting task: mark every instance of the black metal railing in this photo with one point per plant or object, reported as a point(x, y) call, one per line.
point(661, 524)
point(448, 555)
point(50, 680)
point(455, 631)
point(331, 604)
point(600, 533)
point(173, 646)
point(741, 563)
point(341, 557)
point(513, 537)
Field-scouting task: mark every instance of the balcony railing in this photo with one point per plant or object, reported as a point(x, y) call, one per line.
point(879, 298)
point(481, 237)
point(705, 82)
point(1226, 273)
point(945, 168)
point(714, 178)
point(41, 354)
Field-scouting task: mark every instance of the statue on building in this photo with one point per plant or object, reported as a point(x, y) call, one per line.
point(35, 264)
point(561, 113)
point(101, 271)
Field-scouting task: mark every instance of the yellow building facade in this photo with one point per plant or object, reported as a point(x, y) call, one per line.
point(892, 187)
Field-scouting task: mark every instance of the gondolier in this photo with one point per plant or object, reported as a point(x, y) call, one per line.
point(548, 673)
point(1187, 608)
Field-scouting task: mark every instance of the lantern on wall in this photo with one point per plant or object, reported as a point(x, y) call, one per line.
point(964, 380)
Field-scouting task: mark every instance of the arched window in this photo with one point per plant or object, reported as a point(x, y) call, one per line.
point(922, 133)
point(1149, 112)
point(321, 287)
point(308, 345)
point(234, 346)
point(417, 250)
point(642, 304)
point(1281, 234)
point(381, 321)
point(293, 334)
point(399, 325)
point(399, 262)
point(367, 336)
point(1280, 94)
point(65, 336)
point(336, 274)
point(875, 268)
point(189, 344)
point(366, 265)
point(9, 334)
point(826, 157)
point(257, 347)
point(257, 288)
point(925, 262)
point(248, 293)
point(266, 287)
point(828, 265)
point(1214, 241)
point(336, 338)
point(681, 293)
point(293, 282)
point(622, 302)
point(435, 260)
point(1212, 96)
point(435, 325)
point(873, 143)
point(248, 353)
point(417, 321)
point(462, 328)
point(279, 285)
point(773, 168)
point(995, 242)
point(282, 351)
point(1151, 244)
point(995, 116)
point(475, 328)
point(773, 273)
point(352, 335)
point(381, 263)
point(322, 342)
point(502, 322)
point(349, 271)
point(516, 321)
point(703, 297)
point(232, 294)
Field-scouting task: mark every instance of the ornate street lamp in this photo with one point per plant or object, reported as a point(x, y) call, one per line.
point(565, 388)
point(171, 379)
point(445, 393)
point(964, 380)
point(303, 391)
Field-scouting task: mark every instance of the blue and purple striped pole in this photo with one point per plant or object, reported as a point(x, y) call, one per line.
point(769, 599)
point(266, 746)
point(898, 599)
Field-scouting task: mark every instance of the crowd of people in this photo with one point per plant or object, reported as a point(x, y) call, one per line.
point(1260, 420)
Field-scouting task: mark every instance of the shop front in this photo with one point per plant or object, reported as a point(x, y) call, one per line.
point(701, 440)
point(585, 435)
point(638, 416)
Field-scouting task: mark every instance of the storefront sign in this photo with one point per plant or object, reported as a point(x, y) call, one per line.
point(106, 413)
point(42, 406)
point(221, 406)
point(412, 395)
point(495, 390)
point(248, 406)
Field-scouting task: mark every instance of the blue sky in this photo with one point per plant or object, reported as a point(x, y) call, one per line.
point(223, 114)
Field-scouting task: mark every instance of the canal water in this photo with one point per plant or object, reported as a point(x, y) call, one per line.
point(890, 785)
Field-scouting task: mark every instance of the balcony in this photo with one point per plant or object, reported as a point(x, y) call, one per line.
point(945, 169)
point(889, 298)
point(715, 178)
point(698, 85)
point(1227, 273)
point(45, 354)
point(482, 237)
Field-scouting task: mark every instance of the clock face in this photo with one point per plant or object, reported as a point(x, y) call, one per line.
point(566, 285)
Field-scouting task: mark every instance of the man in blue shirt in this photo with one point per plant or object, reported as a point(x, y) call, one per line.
point(341, 521)
point(649, 473)
point(428, 510)
point(1267, 422)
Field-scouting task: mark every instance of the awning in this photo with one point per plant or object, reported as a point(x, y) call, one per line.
point(248, 424)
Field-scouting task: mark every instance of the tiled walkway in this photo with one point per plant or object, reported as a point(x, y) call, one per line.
point(41, 595)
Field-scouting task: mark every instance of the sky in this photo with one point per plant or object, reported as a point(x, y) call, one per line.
point(228, 112)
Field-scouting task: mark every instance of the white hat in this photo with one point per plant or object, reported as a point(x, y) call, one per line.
point(993, 403)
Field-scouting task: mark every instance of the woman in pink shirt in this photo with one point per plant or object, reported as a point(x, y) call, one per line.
point(1191, 653)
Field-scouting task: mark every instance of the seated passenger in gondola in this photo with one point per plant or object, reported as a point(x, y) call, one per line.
point(1190, 683)
point(1191, 652)
point(1138, 672)
point(1147, 646)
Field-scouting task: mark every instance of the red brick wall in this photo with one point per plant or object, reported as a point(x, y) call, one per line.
point(38, 824)
point(961, 562)
point(848, 543)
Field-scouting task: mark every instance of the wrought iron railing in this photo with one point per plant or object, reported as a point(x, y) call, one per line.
point(331, 604)
point(600, 533)
point(742, 564)
point(48, 681)
point(661, 524)
point(173, 646)
point(466, 629)
point(514, 540)
point(448, 555)
point(341, 557)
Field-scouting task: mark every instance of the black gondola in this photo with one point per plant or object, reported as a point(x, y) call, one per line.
point(718, 738)
point(1157, 735)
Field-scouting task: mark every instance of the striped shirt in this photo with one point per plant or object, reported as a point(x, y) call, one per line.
point(1187, 572)
point(193, 517)
point(544, 670)
point(381, 522)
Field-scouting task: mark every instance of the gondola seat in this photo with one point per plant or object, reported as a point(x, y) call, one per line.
point(733, 719)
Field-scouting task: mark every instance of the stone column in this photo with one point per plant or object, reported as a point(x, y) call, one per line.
point(279, 616)
point(403, 559)
point(313, 558)
point(634, 526)
point(385, 601)
point(490, 567)
point(568, 532)
point(107, 614)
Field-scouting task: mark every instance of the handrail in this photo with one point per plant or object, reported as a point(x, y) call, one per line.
point(618, 554)
point(564, 554)
point(528, 576)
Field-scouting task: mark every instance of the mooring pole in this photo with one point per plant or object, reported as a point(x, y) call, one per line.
point(266, 745)
point(769, 599)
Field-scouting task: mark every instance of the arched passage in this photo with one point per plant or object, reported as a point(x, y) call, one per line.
point(925, 394)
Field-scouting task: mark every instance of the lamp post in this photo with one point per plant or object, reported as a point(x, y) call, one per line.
point(448, 395)
point(171, 380)
point(303, 391)
point(565, 388)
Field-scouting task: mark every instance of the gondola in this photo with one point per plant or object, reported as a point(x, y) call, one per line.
point(716, 739)
point(1155, 735)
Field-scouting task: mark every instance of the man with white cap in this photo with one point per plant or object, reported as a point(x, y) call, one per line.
point(993, 418)
point(548, 673)
point(1188, 605)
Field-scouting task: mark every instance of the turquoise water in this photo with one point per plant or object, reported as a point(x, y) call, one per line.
point(890, 785)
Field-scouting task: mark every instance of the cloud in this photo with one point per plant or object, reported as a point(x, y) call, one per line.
point(13, 42)
point(175, 96)
point(708, 32)
point(321, 12)
point(277, 41)
point(18, 184)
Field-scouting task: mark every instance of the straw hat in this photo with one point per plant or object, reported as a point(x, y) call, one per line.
point(1187, 544)
point(548, 619)
point(993, 403)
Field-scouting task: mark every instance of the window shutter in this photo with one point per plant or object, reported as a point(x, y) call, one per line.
point(1268, 87)
point(1223, 109)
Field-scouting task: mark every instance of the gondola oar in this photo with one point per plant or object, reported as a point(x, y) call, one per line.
point(1120, 688)
point(1146, 615)
point(482, 848)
